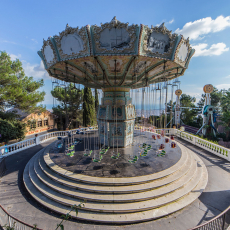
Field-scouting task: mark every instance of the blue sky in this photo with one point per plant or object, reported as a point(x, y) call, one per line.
point(24, 24)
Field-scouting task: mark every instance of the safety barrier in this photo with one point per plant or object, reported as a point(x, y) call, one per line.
point(22, 145)
point(220, 222)
point(8, 220)
point(207, 145)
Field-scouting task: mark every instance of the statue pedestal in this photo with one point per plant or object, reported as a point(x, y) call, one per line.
point(116, 118)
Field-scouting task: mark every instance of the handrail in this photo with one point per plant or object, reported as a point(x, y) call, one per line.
point(207, 145)
point(204, 144)
point(18, 223)
point(220, 223)
point(22, 145)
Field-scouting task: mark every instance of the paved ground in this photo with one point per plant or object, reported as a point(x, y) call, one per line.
point(216, 197)
point(120, 167)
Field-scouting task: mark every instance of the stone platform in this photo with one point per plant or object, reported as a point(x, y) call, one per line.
point(120, 167)
point(117, 200)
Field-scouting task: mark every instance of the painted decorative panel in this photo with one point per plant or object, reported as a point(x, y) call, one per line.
point(158, 41)
point(72, 42)
point(115, 37)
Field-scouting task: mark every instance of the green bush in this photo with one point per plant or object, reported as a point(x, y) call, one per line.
point(11, 130)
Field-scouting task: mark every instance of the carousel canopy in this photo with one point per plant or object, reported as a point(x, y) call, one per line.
point(116, 54)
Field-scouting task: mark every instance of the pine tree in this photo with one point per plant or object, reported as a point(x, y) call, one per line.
point(16, 89)
point(88, 108)
point(68, 112)
point(96, 101)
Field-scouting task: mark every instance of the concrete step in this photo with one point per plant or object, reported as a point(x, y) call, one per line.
point(118, 197)
point(116, 218)
point(123, 207)
point(101, 188)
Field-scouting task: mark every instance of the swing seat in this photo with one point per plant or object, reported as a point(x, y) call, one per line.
point(95, 160)
point(71, 147)
point(135, 158)
point(143, 155)
point(115, 156)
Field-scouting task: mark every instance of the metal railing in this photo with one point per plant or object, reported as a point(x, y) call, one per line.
point(8, 220)
point(220, 222)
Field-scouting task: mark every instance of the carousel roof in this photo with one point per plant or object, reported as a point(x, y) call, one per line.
point(116, 54)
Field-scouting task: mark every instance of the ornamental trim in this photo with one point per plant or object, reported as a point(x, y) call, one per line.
point(115, 24)
point(159, 29)
point(177, 59)
point(70, 30)
point(55, 59)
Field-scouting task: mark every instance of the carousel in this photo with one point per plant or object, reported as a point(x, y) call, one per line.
point(128, 170)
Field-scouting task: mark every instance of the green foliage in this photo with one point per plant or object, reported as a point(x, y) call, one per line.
point(9, 115)
point(68, 112)
point(11, 130)
point(188, 116)
point(16, 89)
point(7, 227)
point(225, 101)
point(216, 96)
point(31, 124)
point(89, 114)
point(67, 216)
point(225, 121)
point(96, 100)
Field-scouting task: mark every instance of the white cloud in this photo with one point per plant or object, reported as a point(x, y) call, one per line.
point(36, 71)
point(215, 49)
point(171, 21)
point(34, 40)
point(196, 30)
point(227, 76)
point(223, 86)
point(14, 57)
point(5, 41)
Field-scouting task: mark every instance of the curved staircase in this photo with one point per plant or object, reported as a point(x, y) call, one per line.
point(116, 200)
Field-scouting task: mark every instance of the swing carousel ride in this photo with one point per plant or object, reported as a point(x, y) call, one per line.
point(127, 173)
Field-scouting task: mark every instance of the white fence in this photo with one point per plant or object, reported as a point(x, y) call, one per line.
point(207, 145)
point(22, 145)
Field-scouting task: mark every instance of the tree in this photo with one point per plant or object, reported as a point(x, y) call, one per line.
point(11, 130)
point(225, 121)
point(216, 96)
point(89, 115)
point(188, 116)
point(68, 112)
point(225, 101)
point(16, 89)
point(96, 101)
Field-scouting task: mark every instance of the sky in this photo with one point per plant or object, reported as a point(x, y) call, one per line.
point(24, 24)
